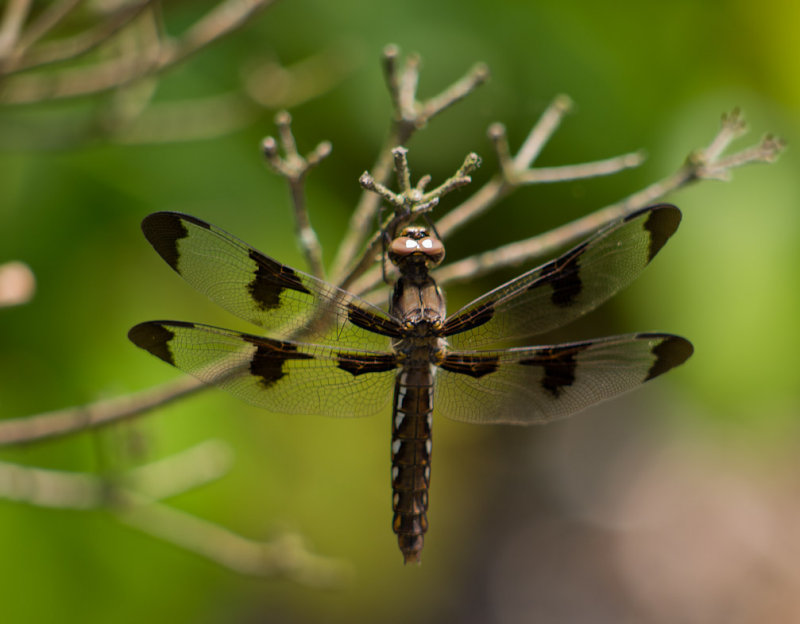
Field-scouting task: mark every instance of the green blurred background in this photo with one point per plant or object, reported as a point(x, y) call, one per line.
point(676, 503)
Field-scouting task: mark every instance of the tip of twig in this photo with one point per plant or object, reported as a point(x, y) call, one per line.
point(391, 51)
point(480, 73)
point(283, 118)
point(269, 147)
point(772, 147)
point(320, 152)
point(496, 131)
point(366, 181)
point(634, 159)
point(563, 102)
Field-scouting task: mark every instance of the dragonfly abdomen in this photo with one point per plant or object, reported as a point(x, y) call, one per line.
point(411, 458)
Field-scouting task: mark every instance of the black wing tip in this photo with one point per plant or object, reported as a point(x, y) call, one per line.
point(163, 230)
point(165, 218)
point(663, 210)
point(154, 337)
point(669, 350)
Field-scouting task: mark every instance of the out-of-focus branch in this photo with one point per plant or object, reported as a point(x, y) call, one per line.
point(176, 474)
point(14, 16)
point(14, 431)
point(285, 557)
point(161, 54)
point(133, 499)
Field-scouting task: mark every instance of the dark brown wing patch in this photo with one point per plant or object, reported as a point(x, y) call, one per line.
point(559, 365)
point(270, 280)
point(270, 356)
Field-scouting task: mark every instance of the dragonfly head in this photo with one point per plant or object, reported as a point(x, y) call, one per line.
point(414, 245)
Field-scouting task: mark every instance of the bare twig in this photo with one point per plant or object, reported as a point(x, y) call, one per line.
point(27, 56)
point(409, 204)
point(274, 86)
point(581, 171)
point(702, 164)
point(409, 116)
point(74, 419)
point(48, 19)
point(294, 168)
point(133, 500)
point(107, 75)
point(14, 17)
point(541, 133)
point(285, 557)
point(516, 171)
point(176, 474)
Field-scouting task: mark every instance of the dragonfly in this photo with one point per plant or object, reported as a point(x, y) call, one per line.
point(330, 352)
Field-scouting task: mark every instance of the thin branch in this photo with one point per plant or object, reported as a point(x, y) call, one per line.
point(409, 204)
point(173, 475)
point(43, 23)
point(542, 132)
point(14, 431)
point(180, 472)
point(285, 557)
point(26, 57)
point(274, 86)
point(700, 165)
point(104, 76)
point(409, 116)
point(294, 168)
point(516, 171)
point(184, 120)
point(11, 26)
point(582, 171)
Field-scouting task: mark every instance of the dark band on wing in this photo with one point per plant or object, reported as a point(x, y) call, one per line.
point(269, 357)
point(563, 276)
point(672, 351)
point(270, 280)
point(358, 364)
point(154, 337)
point(472, 365)
point(474, 318)
point(559, 366)
point(372, 322)
point(164, 230)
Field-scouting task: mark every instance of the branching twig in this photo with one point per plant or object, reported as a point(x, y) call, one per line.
point(133, 500)
point(285, 557)
point(294, 168)
point(120, 71)
point(409, 116)
point(409, 204)
point(700, 165)
point(516, 171)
